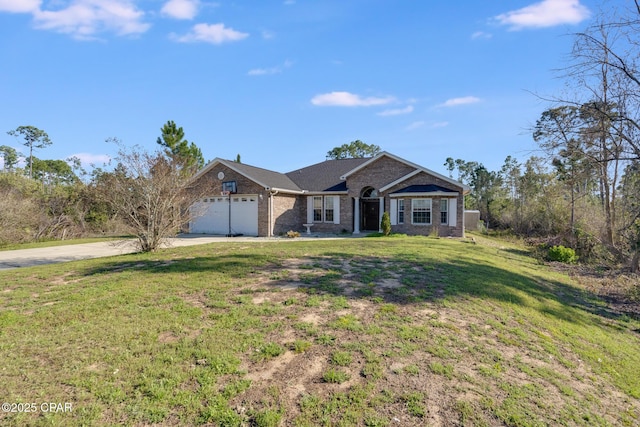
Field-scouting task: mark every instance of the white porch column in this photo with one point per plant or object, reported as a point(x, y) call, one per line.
point(356, 216)
point(380, 212)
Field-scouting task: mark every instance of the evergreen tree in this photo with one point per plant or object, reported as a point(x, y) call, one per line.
point(179, 149)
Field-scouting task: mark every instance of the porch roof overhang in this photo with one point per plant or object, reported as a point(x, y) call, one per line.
point(430, 194)
point(430, 190)
point(326, 193)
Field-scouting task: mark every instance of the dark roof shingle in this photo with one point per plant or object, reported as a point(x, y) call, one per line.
point(267, 177)
point(324, 176)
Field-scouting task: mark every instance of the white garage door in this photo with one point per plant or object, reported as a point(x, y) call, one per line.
point(212, 215)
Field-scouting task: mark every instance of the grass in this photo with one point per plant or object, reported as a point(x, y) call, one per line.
point(353, 332)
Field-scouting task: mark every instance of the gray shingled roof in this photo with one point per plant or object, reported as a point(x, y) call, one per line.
point(324, 176)
point(267, 177)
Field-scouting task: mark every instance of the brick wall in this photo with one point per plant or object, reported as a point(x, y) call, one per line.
point(386, 170)
point(346, 217)
point(378, 174)
point(289, 213)
point(442, 230)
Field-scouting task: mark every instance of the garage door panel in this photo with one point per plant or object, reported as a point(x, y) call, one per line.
point(244, 215)
point(214, 215)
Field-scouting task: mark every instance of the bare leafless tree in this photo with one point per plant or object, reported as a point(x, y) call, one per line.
point(151, 193)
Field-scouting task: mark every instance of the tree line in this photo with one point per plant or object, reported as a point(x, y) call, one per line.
point(584, 186)
point(144, 194)
point(581, 189)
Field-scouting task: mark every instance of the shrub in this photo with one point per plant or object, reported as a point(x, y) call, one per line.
point(385, 224)
point(293, 234)
point(562, 254)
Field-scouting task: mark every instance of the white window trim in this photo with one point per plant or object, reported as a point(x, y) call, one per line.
point(311, 209)
point(430, 210)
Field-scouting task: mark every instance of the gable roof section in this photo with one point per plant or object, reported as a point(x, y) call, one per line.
point(270, 180)
point(465, 188)
point(325, 176)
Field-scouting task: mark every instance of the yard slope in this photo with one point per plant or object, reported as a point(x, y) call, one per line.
point(363, 332)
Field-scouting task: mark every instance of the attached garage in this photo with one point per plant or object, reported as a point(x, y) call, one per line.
point(219, 215)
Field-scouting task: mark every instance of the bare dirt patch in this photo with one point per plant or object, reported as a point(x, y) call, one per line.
point(434, 358)
point(167, 337)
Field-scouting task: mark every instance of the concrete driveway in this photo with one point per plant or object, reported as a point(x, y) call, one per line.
point(51, 255)
point(38, 256)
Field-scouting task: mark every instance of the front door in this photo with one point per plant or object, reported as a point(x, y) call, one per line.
point(370, 215)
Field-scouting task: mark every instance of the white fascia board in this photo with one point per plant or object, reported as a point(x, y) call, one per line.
point(284, 190)
point(362, 166)
point(428, 194)
point(230, 165)
point(465, 188)
point(206, 168)
point(326, 193)
point(399, 180)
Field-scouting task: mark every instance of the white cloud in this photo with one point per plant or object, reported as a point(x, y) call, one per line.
point(546, 13)
point(84, 18)
point(414, 125)
point(465, 100)
point(396, 112)
point(88, 159)
point(19, 6)
point(273, 70)
point(211, 33)
point(481, 35)
point(346, 99)
point(181, 9)
point(438, 125)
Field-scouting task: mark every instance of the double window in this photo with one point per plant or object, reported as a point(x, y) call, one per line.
point(324, 208)
point(421, 211)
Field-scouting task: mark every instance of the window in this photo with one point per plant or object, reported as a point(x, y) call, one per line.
point(317, 208)
point(400, 211)
point(369, 193)
point(323, 209)
point(328, 209)
point(444, 211)
point(421, 211)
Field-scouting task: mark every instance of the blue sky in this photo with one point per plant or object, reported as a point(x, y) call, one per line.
point(282, 82)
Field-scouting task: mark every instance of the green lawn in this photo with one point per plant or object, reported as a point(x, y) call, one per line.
point(363, 332)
